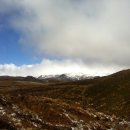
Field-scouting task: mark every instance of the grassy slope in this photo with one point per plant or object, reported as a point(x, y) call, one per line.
point(110, 94)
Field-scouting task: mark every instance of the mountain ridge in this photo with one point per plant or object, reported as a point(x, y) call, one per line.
point(66, 76)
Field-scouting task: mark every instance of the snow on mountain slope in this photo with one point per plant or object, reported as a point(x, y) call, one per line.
point(68, 76)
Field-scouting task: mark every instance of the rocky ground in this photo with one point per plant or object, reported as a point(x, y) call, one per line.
point(42, 113)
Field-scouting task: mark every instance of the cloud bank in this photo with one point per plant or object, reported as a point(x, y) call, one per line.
point(53, 67)
point(96, 32)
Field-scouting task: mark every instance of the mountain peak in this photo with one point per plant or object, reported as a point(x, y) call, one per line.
point(66, 76)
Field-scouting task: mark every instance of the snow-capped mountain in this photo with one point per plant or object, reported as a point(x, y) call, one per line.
point(60, 77)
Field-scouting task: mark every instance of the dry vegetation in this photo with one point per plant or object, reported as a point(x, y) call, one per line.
point(93, 104)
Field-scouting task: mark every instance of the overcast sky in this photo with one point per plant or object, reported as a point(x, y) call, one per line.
point(64, 36)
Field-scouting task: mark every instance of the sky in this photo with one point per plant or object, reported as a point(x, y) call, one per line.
point(46, 37)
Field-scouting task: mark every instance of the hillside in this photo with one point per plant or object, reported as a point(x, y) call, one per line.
point(111, 94)
point(102, 103)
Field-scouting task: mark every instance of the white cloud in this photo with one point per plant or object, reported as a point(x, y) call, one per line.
point(96, 32)
point(52, 67)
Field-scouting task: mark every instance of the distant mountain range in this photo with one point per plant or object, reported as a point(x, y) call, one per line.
point(49, 78)
point(65, 77)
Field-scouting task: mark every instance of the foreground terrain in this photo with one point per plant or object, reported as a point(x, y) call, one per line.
point(101, 103)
